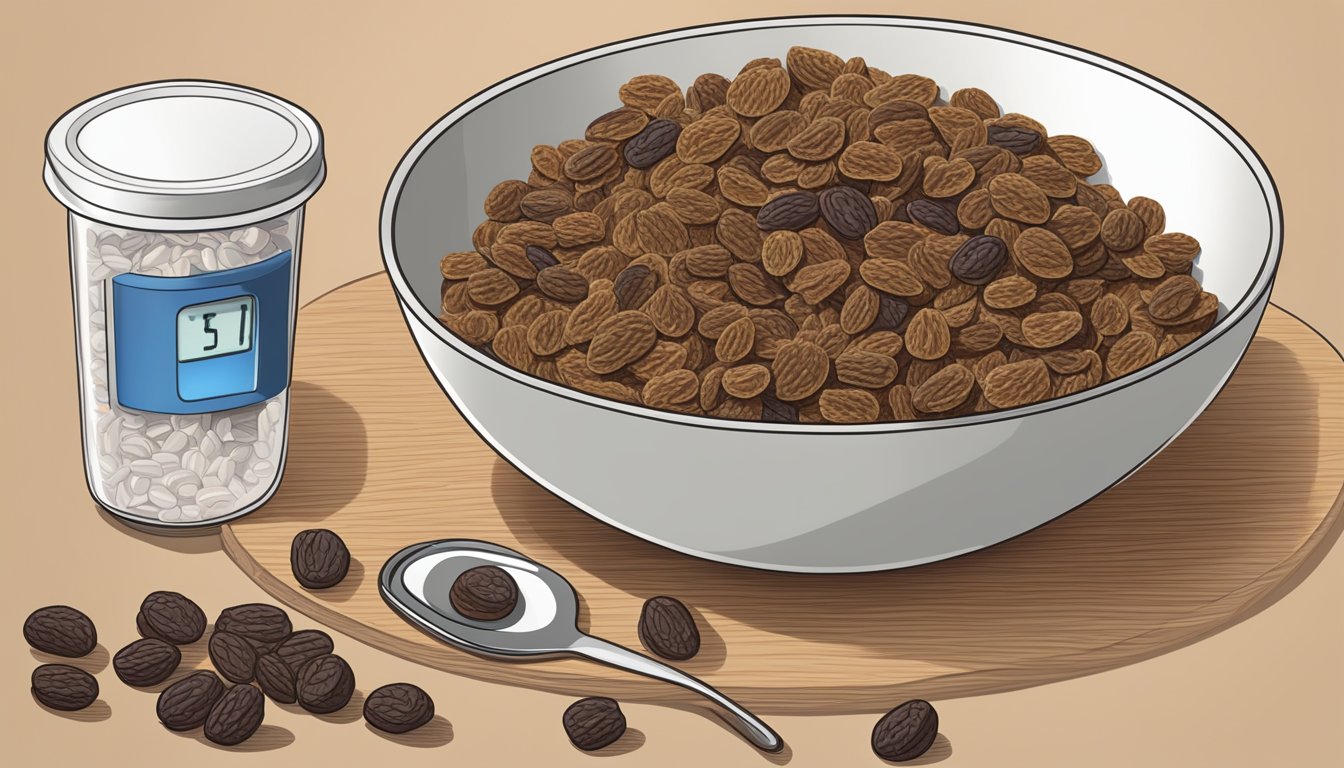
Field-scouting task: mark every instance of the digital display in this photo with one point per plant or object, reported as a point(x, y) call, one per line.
point(215, 329)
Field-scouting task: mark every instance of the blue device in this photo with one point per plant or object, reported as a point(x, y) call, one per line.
point(201, 343)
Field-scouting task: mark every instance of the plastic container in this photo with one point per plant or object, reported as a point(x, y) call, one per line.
point(185, 207)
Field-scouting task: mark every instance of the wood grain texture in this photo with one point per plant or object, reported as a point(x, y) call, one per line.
point(1214, 529)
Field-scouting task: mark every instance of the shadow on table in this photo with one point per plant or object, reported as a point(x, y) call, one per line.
point(1133, 563)
point(186, 542)
point(267, 738)
point(437, 732)
point(632, 739)
point(940, 750)
point(328, 456)
point(96, 712)
point(93, 662)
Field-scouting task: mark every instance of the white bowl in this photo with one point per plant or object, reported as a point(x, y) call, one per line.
point(822, 498)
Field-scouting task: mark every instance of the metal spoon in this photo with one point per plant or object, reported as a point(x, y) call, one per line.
point(416, 583)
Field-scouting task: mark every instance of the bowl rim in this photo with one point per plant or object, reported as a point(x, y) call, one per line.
point(413, 308)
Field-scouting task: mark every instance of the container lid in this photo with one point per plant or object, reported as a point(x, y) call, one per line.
point(184, 155)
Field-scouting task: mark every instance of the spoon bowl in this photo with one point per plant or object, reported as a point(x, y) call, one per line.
point(416, 583)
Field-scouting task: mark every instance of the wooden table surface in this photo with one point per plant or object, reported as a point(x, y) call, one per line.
point(1190, 544)
point(1268, 691)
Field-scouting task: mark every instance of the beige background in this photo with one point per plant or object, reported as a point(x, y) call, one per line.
point(1267, 692)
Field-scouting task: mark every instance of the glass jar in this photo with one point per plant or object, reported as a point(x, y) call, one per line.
point(184, 258)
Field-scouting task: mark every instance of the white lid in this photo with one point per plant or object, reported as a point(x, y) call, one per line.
point(184, 155)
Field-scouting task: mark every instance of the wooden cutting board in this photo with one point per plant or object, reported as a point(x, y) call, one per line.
point(1226, 520)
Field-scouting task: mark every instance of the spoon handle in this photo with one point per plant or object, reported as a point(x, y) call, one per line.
point(603, 652)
